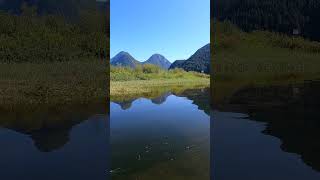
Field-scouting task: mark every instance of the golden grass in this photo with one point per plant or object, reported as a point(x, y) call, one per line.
point(147, 88)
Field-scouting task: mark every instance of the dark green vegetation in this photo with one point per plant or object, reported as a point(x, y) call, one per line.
point(262, 56)
point(283, 16)
point(150, 72)
point(53, 83)
point(30, 37)
point(47, 58)
point(199, 61)
point(176, 64)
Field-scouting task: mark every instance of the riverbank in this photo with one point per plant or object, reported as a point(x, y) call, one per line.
point(146, 80)
point(150, 88)
point(54, 83)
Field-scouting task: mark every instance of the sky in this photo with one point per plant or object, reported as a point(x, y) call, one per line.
point(173, 28)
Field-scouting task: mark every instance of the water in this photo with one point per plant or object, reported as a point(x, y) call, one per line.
point(55, 143)
point(165, 137)
point(256, 133)
point(268, 133)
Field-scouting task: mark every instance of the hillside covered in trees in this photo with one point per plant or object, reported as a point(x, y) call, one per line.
point(44, 31)
point(53, 52)
point(299, 17)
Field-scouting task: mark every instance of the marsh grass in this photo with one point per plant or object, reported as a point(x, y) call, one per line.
point(262, 57)
point(34, 84)
point(149, 79)
point(151, 72)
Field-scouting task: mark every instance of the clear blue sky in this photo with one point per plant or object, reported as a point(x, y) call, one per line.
point(173, 28)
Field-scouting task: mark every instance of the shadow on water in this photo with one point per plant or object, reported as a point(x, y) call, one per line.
point(289, 112)
point(49, 127)
point(161, 136)
point(58, 142)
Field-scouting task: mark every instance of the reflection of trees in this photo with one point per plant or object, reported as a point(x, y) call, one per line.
point(49, 127)
point(200, 97)
point(126, 104)
point(291, 114)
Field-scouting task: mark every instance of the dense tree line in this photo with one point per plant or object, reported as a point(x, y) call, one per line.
point(285, 16)
point(31, 36)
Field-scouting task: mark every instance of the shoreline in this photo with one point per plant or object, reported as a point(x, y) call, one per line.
point(127, 89)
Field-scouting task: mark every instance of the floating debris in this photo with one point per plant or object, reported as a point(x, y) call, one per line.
point(115, 170)
point(189, 147)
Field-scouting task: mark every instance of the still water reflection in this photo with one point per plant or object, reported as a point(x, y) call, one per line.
point(268, 133)
point(54, 143)
point(166, 137)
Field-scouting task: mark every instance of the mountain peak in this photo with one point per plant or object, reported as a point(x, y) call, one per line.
point(199, 61)
point(158, 60)
point(124, 59)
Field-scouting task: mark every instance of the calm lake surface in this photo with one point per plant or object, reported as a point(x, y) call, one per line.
point(54, 143)
point(165, 137)
point(268, 133)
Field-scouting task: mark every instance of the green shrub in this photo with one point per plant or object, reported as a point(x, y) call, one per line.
point(149, 68)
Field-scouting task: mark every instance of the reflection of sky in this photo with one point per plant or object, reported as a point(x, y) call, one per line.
point(242, 151)
point(175, 114)
point(87, 147)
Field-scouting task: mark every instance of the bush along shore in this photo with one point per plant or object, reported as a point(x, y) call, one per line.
point(147, 78)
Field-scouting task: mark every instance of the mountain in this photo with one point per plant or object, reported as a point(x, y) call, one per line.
point(67, 8)
point(124, 59)
point(199, 61)
point(176, 64)
point(158, 60)
point(285, 16)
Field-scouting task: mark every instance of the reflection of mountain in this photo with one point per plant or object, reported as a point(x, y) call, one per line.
point(161, 99)
point(291, 114)
point(49, 127)
point(126, 104)
point(200, 97)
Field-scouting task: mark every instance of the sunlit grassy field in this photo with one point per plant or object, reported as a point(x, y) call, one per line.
point(148, 78)
point(31, 84)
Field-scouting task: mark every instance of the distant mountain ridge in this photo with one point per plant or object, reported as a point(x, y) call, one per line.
point(158, 60)
point(176, 64)
point(199, 61)
point(125, 59)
